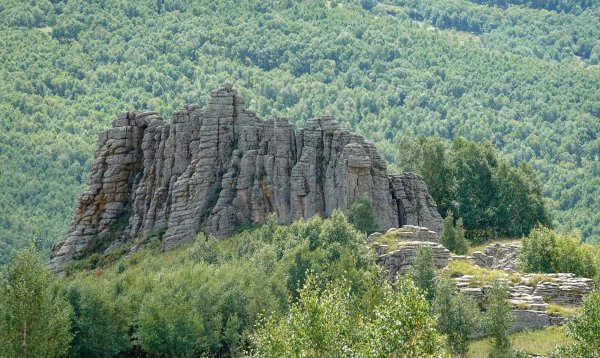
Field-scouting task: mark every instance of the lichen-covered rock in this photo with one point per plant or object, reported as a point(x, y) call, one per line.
point(210, 170)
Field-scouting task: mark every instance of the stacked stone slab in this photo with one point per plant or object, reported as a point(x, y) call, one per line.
point(210, 170)
point(397, 258)
point(564, 289)
point(536, 291)
point(530, 297)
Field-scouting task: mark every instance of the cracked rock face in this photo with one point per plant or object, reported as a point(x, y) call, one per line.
point(212, 169)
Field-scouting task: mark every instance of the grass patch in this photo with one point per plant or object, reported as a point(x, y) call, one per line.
point(537, 278)
point(541, 342)
point(481, 276)
point(560, 311)
point(390, 239)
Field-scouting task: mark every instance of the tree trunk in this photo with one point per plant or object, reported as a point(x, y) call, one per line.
point(25, 344)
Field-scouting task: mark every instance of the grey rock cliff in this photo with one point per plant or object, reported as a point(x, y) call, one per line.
point(210, 170)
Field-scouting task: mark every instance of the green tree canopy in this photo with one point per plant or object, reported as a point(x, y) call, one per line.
point(34, 314)
point(329, 322)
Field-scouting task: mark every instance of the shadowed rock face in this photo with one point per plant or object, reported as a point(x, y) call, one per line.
point(212, 169)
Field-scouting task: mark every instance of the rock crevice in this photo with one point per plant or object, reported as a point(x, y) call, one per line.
point(212, 169)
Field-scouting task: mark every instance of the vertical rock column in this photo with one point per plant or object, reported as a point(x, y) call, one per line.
point(106, 202)
point(415, 206)
point(197, 190)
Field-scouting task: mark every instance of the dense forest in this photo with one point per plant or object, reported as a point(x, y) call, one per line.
point(521, 75)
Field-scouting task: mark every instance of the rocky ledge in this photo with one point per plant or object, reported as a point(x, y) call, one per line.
point(210, 170)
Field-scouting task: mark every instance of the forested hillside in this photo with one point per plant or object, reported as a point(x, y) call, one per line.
point(523, 75)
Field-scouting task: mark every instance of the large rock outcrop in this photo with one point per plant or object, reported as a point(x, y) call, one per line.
point(210, 170)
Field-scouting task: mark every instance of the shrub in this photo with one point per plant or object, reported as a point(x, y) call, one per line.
point(328, 322)
point(360, 215)
point(584, 328)
point(100, 323)
point(458, 315)
point(546, 251)
point(498, 319)
point(422, 271)
point(453, 238)
point(34, 315)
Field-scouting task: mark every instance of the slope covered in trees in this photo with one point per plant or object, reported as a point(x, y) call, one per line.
point(389, 71)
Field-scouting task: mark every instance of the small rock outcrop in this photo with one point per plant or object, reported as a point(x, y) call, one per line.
point(531, 294)
point(564, 289)
point(396, 250)
point(498, 257)
point(210, 170)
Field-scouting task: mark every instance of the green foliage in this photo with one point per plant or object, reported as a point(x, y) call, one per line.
point(453, 238)
point(539, 342)
point(458, 315)
point(448, 237)
point(360, 214)
point(100, 321)
point(462, 245)
point(170, 325)
point(545, 250)
point(498, 319)
point(422, 271)
point(475, 182)
point(537, 251)
point(583, 328)
point(329, 322)
point(34, 315)
point(206, 298)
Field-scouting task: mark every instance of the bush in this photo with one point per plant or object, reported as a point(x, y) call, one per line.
point(453, 238)
point(458, 315)
point(498, 319)
point(34, 315)
point(360, 215)
point(422, 271)
point(100, 323)
point(170, 325)
point(584, 328)
point(546, 251)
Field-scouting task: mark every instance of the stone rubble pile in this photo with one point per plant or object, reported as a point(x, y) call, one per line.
point(562, 289)
point(529, 294)
point(530, 297)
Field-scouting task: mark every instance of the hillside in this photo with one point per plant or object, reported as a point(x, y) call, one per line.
point(524, 78)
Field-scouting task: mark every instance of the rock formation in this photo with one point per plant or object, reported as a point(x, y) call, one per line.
point(213, 169)
point(498, 257)
point(531, 294)
point(396, 250)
